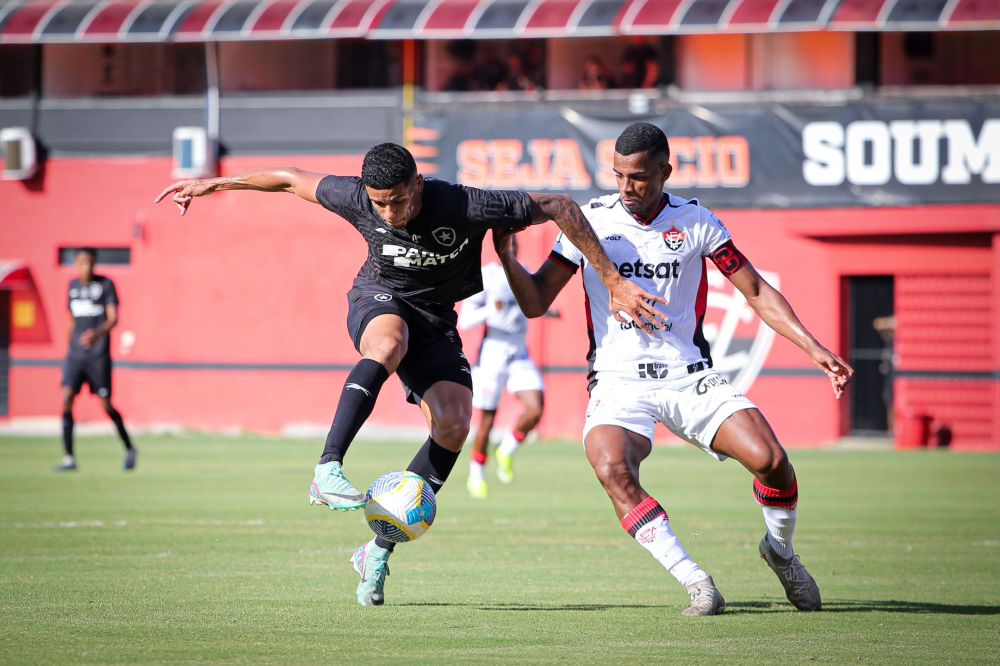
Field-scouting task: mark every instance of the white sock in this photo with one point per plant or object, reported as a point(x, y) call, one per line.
point(779, 515)
point(68, 460)
point(780, 529)
point(509, 444)
point(477, 471)
point(649, 525)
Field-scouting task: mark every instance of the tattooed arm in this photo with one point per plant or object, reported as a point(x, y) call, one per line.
point(626, 296)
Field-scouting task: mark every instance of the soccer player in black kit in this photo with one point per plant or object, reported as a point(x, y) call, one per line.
point(93, 306)
point(424, 244)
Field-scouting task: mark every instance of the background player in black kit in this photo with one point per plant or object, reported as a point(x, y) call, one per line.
point(93, 306)
point(424, 245)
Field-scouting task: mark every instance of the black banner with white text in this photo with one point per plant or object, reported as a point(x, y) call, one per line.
point(897, 152)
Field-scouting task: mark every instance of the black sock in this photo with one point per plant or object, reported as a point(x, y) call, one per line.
point(385, 543)
point(67, 433)
point(356, 404)
point(116, 418)
point(434, 463)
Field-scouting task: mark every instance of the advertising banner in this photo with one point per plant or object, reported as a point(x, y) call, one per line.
point(887, 153)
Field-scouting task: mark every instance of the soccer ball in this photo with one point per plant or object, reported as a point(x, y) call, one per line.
point(401, 506)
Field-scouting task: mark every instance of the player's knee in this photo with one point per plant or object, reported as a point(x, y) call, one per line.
point(770, 461)
point(613, 473)
point(451, 432)
point(389, 351)
point(533, 412)
point(451, 425)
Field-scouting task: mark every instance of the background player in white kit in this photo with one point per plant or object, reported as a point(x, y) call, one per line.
point(503, 362)
point(662, 241)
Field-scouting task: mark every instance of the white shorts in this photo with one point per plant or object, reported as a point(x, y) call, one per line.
point(692, 406)
point(501, 366)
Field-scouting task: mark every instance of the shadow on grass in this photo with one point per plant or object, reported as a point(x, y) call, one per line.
point(753, 607)
point(865, 606)
point(540, 607)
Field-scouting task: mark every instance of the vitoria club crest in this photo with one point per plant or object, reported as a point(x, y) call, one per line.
point(673, 238)
point(740, 341)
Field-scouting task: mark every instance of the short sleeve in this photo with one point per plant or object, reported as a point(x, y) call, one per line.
point(719, 246)
point(496, 209)
point(715, 233)
point(110, 293)
point(566, 254)
point(343, 195)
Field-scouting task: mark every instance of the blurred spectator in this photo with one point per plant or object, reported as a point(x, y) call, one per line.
point(463, 54)
point(595, 75)
point(463, 77)
point(478, 67)
point(490, 73)
point(640, 67)
point(518, 76)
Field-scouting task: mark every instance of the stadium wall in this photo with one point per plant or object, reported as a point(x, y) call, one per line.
point(237, 311)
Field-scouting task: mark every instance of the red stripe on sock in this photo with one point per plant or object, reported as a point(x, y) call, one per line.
point(641, 511)
point(479, 457)
point(518, 436)
point(785, 499)
point(776, 492)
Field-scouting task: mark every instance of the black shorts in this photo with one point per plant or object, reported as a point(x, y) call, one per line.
point(434, 353)
point(96, 372)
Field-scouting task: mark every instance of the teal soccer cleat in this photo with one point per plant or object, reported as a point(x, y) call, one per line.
point(372, 564)
point(331, 488)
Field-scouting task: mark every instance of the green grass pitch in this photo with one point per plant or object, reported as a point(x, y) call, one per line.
point(209, 553)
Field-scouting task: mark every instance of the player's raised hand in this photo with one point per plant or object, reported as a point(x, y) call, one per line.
point(627, 297)
point(839, 372)
point(184, 191)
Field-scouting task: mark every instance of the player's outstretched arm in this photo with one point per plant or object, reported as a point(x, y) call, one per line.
point(774, 309)
point(625, 295)
point(296, 181)
point(534, 292)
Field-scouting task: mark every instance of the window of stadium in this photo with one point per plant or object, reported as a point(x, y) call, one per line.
point(108, 256)
point(507, 65)
point(591, 63)
point(939, 58)
point(122, 70)
point(19, 73)
point(308, 65)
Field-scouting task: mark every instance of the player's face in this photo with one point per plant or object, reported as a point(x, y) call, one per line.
point(641, 177)
point(85, 264)
point(400, 204)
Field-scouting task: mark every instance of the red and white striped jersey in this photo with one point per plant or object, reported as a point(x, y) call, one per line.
point(664, 256)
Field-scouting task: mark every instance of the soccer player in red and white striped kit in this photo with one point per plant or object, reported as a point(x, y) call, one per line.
point(662, 242)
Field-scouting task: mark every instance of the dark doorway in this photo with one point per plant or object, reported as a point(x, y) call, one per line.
point(871, 354)
point(4, 352)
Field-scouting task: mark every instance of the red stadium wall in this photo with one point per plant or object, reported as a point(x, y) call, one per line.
point(238, 309)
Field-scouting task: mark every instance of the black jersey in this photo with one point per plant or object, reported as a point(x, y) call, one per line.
point(435, 258)
point(88, 306)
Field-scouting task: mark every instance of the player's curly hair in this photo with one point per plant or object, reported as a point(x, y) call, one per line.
point(387, 165)
point(643, 138)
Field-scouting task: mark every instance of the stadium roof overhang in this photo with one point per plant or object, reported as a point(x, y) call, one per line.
point(14, 275)
point(43, 21)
